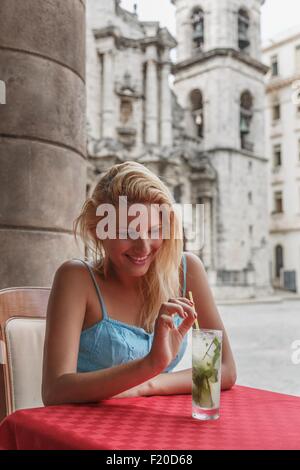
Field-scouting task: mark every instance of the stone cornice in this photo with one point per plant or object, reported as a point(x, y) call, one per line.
point(167, 39)
point(124, 42)
point(284, 229)
point(163, 39)
point(220, 52)
point(278, 83)
point(105, 32)
point(280, 43)
point(174, 2)
point(239, 151)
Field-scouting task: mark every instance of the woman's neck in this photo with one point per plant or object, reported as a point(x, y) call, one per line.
point(127, 282)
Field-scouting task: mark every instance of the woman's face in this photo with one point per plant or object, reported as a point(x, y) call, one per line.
point(136, 244)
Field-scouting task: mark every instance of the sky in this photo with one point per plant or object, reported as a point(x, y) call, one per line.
point(277, 15)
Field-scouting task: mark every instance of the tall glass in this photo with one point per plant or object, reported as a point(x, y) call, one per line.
point(206, 373)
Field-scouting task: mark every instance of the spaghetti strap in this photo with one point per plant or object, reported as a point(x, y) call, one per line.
point(103, 307)
point(184, 275)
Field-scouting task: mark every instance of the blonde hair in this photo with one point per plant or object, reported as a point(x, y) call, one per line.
point(140, 185)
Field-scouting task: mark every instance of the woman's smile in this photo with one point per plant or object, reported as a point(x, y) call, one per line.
point(138, 260)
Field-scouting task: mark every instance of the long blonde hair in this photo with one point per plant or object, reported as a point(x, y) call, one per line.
point(140, 185)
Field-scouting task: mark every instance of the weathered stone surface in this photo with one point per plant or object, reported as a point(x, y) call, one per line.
point(34, 194)
point(44, 100)
point(53, 29)
point(32, 257)
point(42, 136)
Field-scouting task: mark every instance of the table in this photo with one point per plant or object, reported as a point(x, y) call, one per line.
point(250, 419)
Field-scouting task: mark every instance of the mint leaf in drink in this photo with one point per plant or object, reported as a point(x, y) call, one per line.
point(205, 395)
point(206, 374)
point(202, 373)
point(198, 374)
point(214, 377)
point(217, 351)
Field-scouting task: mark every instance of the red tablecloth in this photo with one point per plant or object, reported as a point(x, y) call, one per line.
point(250, 419)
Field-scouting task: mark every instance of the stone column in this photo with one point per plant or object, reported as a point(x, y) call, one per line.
point(42, 137)
point(108, 124)
point(151, 97)
point(207, 249)
point(166, 103)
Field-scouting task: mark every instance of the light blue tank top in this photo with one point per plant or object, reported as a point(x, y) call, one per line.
point(112, 342)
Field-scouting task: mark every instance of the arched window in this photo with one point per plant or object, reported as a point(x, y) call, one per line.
point(278, 260)
point(198, 27)
point(276, 108)
point(243, 29)
point(246, 116)
point(197, 112)
point(126, 110)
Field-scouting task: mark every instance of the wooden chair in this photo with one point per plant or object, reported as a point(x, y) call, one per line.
point(22, 330)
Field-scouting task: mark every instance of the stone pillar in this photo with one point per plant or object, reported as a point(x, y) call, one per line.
point(207, 249)
point(42, 137)
point(108, 124)
point(166, 103)
point(151, 97)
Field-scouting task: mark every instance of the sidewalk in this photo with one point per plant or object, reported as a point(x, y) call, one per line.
point(277, 297)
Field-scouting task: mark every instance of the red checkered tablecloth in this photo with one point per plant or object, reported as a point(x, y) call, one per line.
point(250, 419)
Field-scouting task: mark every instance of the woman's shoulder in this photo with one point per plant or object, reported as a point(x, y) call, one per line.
point(72, 270)
point(72, 265)
point(191, 257)
point(195, 272)
point(193, 262)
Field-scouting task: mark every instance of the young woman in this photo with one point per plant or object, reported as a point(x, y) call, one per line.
point(116, 327)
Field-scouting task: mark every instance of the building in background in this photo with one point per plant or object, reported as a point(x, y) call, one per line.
point(282, 55)
point(219, 73)
point(204, 137)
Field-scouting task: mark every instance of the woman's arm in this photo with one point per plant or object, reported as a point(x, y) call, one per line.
point(171, 383)
point(65, 316)
point(180, 382)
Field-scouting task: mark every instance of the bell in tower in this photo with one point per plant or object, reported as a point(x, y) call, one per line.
point(243, 27)
point(198, 27)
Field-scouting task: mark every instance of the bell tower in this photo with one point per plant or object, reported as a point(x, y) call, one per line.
point(219, 83)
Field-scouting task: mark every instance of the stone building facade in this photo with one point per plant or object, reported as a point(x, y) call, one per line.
point(204, 136)
point(282, 54)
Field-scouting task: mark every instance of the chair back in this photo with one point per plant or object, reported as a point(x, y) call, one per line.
point(22, 331)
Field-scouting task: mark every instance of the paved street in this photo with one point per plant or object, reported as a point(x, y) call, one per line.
point(261, 336)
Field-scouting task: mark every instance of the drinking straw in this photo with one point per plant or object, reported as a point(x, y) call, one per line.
point(196, 321)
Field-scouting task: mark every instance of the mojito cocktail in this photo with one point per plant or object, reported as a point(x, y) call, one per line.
point(206, 373)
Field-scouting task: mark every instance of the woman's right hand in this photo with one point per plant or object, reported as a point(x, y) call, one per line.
point(167, 338)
